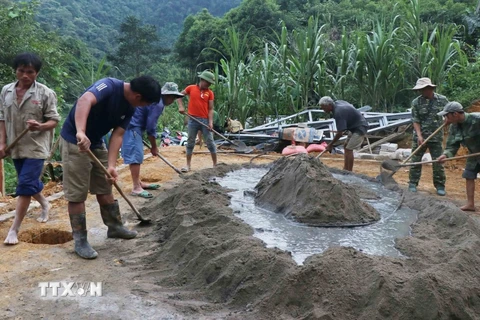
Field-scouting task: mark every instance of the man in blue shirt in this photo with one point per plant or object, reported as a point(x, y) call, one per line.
point(145, 119)
point(107, 104)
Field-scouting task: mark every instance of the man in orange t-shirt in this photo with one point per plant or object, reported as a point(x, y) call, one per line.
point(200, 106)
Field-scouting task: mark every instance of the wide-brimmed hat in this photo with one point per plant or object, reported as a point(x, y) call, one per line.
point(450, 107)
point(422, 83)
point(171, 88)
point(207, 76)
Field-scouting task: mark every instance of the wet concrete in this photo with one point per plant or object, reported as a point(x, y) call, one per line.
point(303, 241)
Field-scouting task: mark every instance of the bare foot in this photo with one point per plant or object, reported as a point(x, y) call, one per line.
point(44, 215)
point(467, 208)
point(11, 237)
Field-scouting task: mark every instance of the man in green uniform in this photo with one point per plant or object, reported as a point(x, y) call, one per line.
point(464, 130)
point(425, 121)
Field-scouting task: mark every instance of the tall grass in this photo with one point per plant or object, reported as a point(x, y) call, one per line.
point(374, 68)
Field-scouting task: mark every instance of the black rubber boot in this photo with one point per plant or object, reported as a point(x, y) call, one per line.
point(79, 231)
point(113, 220)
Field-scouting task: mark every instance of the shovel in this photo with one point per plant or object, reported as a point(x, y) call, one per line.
point(164, 159)
point(240, 145)
point(391, 164)
point(98, 163)
point(397, 166)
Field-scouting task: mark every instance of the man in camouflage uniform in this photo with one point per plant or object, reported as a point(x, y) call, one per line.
point(464, 130)
point(425, 121)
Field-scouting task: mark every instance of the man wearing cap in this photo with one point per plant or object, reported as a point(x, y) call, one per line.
point(347, 118)
point(200, 106)
point(425, 121)
point(145, 119)
point(464, 130)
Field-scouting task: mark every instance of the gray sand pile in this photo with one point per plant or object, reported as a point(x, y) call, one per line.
point(303, 189)
point(204, 252)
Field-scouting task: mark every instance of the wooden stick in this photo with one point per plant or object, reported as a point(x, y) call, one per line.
point(447, 159)
point(14, 142)
point(240, 144)
point(424, 142)
point(98, 163)
point(164, 159)
point(386, 139)
point(369, 146)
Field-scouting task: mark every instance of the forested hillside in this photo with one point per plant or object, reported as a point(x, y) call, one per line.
point(269, 56)
point(96, 22)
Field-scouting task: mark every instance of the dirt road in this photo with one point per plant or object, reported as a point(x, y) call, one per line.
point(142, 282)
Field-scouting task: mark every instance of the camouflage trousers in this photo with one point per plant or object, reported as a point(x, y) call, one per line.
point(436, 151)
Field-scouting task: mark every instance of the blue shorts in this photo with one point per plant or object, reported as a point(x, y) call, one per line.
point(132, 146)
point(28, 174)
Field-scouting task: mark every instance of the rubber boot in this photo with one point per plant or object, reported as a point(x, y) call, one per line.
point(441, 191)
point(412, 187)
point(113, 220)
point(79, 231)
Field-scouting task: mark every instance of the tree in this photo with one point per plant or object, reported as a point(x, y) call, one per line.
point(198, 33)
point(138, 47)
point(20, 33)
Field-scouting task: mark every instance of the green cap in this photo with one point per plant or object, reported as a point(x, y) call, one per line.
point(207, 76)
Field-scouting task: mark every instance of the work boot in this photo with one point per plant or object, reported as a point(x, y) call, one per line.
point(113, 220)
point(441, 191)
point(412, 187)
point(79, 231)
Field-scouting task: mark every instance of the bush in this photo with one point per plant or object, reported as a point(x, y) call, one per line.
point(463, 84)
point(10, 176)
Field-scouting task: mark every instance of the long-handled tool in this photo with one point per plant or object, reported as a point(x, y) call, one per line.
point(164, 159)
point(139, 216)
point(320, 154)
point(240, 145)
point(389, 164)
point(15, 141)
point(399, 165)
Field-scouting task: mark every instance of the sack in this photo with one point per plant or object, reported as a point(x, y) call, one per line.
point(234, 126)
point(293, 150)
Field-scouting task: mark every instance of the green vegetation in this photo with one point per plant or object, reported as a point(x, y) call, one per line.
point(270, 57)
point(97, 22)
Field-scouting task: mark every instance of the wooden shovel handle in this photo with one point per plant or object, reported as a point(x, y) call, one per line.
point(447, 159)
point(14, 142)
point(203, 124)
point(100, 164)
point(320, 154)
point(163, 158)
point(424, 141)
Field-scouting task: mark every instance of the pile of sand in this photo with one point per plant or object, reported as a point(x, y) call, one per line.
point(303, 189)
point(204, 252)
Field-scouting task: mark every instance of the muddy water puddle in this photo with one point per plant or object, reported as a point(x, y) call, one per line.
point(303, 241)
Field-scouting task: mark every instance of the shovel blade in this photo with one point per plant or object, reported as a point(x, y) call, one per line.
point(241, 147)
point(391, 165)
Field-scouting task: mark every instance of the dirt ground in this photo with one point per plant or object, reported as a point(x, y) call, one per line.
point(174, 271)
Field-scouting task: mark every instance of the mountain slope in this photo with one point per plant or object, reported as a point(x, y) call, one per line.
point(96, 22)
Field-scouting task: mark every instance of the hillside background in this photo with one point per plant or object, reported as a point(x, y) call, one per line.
point(97, 22)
